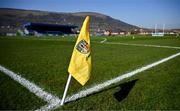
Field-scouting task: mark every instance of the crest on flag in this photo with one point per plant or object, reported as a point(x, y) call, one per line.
point(83, 47)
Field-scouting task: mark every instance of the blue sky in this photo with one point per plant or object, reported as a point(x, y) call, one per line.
point(143, 13)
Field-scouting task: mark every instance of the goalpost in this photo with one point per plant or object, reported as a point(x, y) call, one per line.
point(159, 34)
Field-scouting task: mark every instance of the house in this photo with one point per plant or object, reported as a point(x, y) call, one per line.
point(5, 31)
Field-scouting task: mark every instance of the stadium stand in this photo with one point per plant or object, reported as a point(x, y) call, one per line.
point(48, 29)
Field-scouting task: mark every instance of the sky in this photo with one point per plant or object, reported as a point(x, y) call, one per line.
point(142, 13)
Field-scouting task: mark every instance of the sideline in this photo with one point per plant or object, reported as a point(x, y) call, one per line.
point(145, 45)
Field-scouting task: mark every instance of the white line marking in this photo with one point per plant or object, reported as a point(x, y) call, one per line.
point(54, 102)
point(146, 45)
point(31, 86)
point(103, 40)
point(101, 86)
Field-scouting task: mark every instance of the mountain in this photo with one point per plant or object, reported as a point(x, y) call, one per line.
point(99, 22)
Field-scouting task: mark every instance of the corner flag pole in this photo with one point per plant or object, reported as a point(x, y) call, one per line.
point(66, 89)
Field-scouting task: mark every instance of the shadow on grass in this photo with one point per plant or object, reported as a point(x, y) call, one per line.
point(125, 88)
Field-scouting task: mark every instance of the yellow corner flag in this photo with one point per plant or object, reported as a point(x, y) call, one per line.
point(80, 64)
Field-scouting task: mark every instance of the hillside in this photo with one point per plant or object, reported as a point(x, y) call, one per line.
point(99, 22)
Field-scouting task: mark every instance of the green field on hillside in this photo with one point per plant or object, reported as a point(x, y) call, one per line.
point(44, 61)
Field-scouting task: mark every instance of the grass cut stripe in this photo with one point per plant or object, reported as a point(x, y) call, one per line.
point(101, 86)
point(30, 86)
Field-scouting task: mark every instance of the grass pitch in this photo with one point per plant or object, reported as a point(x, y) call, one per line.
point(44, 61)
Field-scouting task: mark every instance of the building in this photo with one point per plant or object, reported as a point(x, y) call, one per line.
point(8, 32)
point(39, 29)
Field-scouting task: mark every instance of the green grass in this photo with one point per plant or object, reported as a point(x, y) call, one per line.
point(155, 89)
point(13, 96)
point(44, 61)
